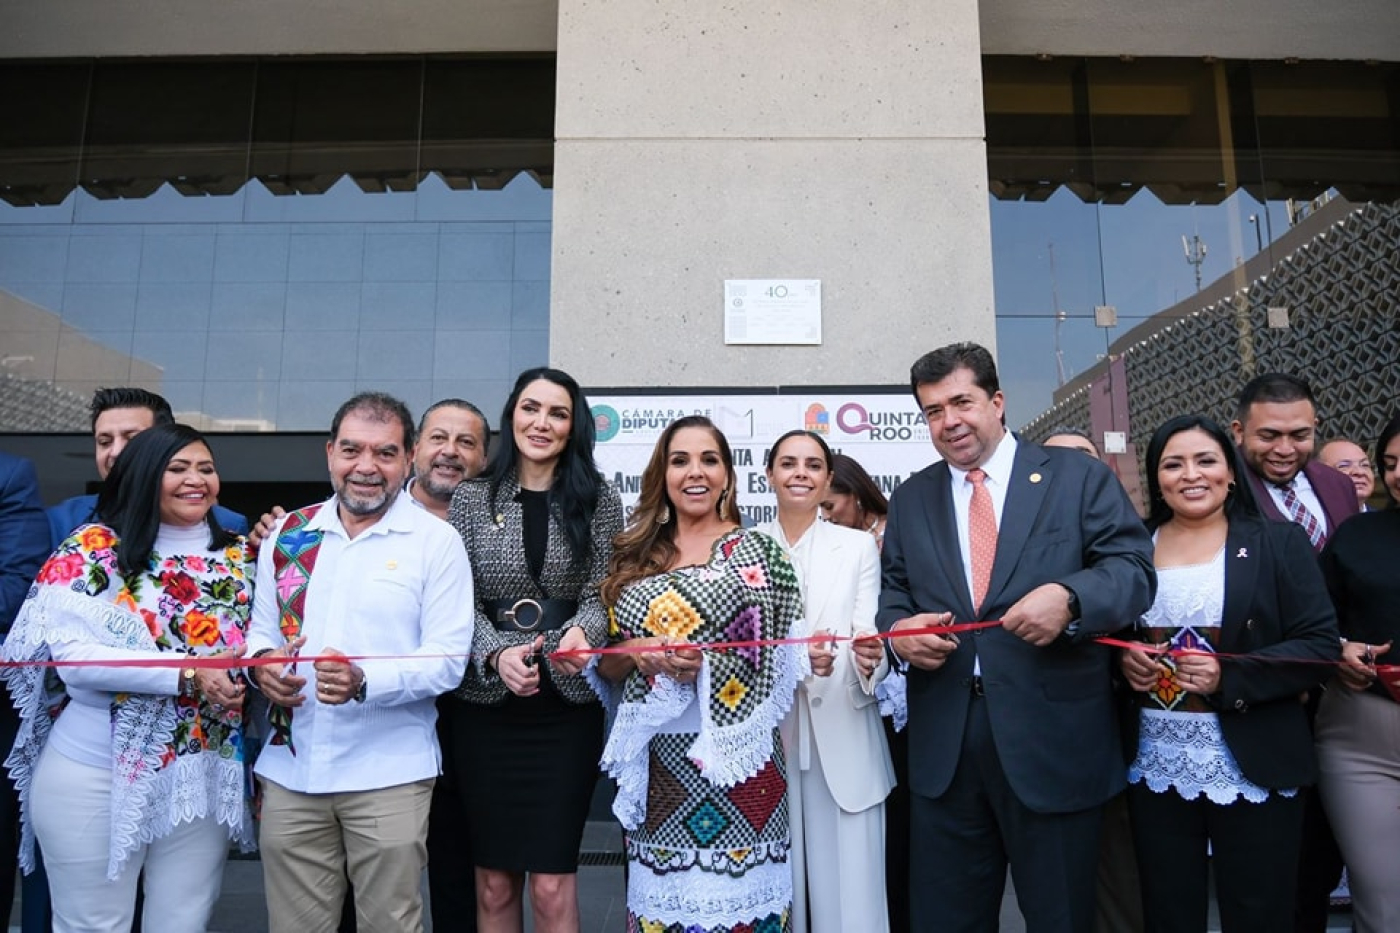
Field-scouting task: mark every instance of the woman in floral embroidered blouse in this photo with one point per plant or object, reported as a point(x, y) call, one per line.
point(125, 769)
point(1239, 623)
point(702, 781)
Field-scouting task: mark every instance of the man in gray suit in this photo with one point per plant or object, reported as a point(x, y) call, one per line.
point(1013, 744)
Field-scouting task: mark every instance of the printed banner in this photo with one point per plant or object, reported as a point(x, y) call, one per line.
point(884, 432)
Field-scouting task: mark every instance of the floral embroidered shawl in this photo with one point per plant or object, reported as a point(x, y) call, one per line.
point(174, 759)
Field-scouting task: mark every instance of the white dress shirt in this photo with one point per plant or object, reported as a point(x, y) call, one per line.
point(1307, 497)
point(401, 588)
point(998, 469)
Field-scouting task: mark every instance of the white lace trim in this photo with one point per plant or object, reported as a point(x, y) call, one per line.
point(1189, 595)
point(608, 693)
point(729, 755)
point(634, 726)
point(725, 755)
point(893, 696)
point(1186, 752)
point(147, 801)
point(698, 898)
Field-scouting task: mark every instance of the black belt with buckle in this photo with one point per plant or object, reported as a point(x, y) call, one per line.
point(530, 615)
point(976, 686)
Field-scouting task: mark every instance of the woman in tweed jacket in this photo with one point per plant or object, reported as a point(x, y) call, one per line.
point(538, 527)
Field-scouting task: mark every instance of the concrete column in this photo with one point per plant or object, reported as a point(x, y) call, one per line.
point(840, 140)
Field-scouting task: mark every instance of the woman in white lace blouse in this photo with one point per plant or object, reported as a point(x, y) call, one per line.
point(1240, 623)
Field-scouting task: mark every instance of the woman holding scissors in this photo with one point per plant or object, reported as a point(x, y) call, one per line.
point(1222, 743)
point(834, 740)
point(1358, 723)
point(702, 779)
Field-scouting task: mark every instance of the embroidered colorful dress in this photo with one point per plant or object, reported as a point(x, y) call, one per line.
point(702, 784)
point(174, 758)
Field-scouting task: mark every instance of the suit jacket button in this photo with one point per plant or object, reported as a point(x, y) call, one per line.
point(1242, 706)
point(816, 701)
point(1249, 624)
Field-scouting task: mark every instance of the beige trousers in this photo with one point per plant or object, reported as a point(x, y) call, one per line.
point(1358, 749)
point(311, 841)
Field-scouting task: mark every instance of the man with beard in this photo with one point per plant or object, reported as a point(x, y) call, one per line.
point(1276, 427)
point(451, 447)
point(373, 588)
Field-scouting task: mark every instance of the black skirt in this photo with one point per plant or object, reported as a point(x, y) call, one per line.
point(527, 769)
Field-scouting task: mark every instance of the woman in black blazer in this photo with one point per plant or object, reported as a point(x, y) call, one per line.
point(1222, 740)
point(538, 526)
point(1358, 723)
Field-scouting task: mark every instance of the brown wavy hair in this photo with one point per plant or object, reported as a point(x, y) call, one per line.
point(648, 545)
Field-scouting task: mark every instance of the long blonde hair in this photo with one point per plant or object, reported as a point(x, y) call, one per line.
point(647, 546)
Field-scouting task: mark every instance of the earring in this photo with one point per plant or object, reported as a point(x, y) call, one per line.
point(664, 515)
point(723, 497)
point(1230, 489)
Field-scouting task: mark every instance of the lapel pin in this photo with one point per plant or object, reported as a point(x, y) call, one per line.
point(500, 521)
point(1035, 477)
point(1244, 552)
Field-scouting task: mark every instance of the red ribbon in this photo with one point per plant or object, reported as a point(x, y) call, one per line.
point(1388, 674)
point(824, 639)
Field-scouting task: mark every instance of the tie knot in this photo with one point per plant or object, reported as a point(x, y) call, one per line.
point(1290, 486)
point(977, 476)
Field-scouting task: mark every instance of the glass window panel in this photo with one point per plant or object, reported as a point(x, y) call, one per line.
point(150, 122)
point(318, 121)
point(42, 109)
point(475, 354)
point(1204, 188)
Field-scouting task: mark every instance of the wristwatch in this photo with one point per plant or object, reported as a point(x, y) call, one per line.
point(1073, 602)
point(360, 693)
point(187, 686)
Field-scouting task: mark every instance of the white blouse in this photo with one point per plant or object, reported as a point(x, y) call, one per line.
point(1180, 750)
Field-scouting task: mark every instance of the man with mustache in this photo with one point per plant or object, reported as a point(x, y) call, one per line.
point(374, 588)
point(452, 440)
point(451, 447)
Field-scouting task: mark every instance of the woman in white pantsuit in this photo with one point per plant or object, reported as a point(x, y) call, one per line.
point(839, 765)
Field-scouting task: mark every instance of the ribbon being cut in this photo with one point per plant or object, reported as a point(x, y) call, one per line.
point(1388, 674)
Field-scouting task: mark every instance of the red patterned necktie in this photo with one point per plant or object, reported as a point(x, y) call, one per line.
point(1299, 513)
point(981, 535)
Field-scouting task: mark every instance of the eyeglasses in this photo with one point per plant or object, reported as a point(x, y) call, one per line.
point(1345, 465)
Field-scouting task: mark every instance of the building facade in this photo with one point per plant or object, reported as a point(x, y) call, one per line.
point(271, 205)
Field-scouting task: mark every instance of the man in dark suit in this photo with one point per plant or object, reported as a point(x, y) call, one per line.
point(24, 544)
point(1276, 427)
point(1013, 742)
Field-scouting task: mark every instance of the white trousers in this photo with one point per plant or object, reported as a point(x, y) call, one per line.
point(70, 804)
point(838, 857)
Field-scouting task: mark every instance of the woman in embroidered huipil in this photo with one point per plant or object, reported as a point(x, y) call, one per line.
point(538, 527)
point(125, 770)
point(694, 746)
point(1240, 621)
